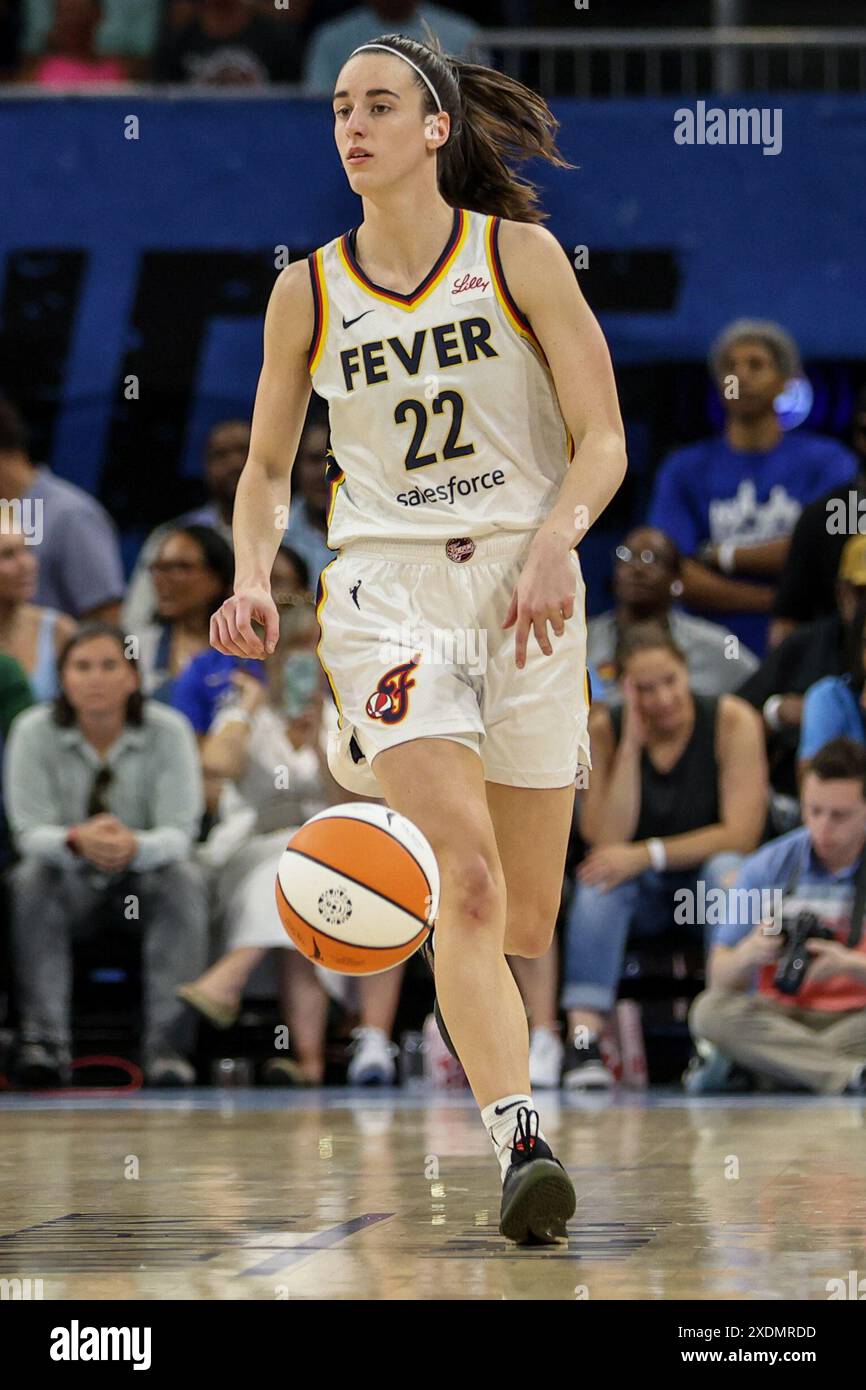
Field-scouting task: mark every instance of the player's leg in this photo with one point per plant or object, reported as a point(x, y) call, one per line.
point(439, 785)
point(532, 827)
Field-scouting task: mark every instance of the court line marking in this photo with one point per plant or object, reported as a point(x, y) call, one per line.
point(324, 1240)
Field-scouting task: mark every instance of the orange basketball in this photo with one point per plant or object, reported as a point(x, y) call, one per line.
point(358, 888)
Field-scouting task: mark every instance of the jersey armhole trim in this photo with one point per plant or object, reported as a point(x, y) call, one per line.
point(518, 320)
point(320, 311)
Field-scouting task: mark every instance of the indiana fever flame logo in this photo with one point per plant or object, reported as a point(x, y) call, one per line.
point(390, 700)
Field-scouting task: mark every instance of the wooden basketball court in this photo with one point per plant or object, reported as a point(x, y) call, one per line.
point(246, 1194)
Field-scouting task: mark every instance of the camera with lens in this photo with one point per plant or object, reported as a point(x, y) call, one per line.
point(795, 960)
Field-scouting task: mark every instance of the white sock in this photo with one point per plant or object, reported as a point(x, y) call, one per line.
point(501, 1127)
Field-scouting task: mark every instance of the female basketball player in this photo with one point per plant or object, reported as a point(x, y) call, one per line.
point(459, 361)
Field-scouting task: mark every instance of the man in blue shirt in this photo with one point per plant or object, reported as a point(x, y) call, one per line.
point(815, 1037)
point(731, 503)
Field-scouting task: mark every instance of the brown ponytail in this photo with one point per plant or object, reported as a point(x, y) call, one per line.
point(496, 123)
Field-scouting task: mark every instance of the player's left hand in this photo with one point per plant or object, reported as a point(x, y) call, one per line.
point(544, 594)
point(610, 865)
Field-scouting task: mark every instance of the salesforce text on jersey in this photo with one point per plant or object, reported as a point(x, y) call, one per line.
point(445, 491)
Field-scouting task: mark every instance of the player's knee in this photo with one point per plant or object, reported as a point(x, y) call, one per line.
point(474, 890)
point(530, 926)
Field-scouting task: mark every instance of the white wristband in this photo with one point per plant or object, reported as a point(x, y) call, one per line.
point(770, 712)
point(725, 554)
point(658, 855)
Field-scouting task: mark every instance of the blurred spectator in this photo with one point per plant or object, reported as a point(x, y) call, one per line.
point(34, 636)
point(225, 455)
point(207, 682)
point(103, 796)
point(282, 725)
point(731, 503)
point(307, 531)
point(814, 1037)
point(70, 58)
point(646, 584)
point(75, 540)
point(817, 649)
point(835, 707)
point(678, 787)
point(10, 37)
point(331, 44)
point(193, 574)
point(126, 30)
point(228, 43)
point(807, 585)
point(16, 693)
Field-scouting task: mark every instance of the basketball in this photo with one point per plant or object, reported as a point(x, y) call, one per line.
point(358, 888)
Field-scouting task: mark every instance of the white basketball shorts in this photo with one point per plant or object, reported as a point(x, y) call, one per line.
point(413, 647)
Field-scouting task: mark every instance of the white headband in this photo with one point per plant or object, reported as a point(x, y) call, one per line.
point(398, 54)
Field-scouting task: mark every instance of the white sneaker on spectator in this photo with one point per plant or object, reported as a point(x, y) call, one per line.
point(545, 1059)
point(372, 1061)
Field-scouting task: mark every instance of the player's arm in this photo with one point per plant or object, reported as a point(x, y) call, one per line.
point(262, 498)
point(544, 287)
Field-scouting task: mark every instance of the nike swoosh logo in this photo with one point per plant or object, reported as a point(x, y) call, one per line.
point(500, 1110)
point(347, 323)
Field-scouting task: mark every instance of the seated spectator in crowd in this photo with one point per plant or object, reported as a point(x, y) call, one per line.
point(35, 636)
point(15, 695)
point(731, 503)
point(823, 647)
point(70, 58)
point(815, 1036)
point(227, 448)
point(193, 575)
point(678, 790)
point(10, 38)
point(281, 726)
point(646, 585)
point(207, 682)
point(807, 584)
point(227, 43)
point(225, 455)
point(74, 538)
point(103, 796)
point(310, 504)
point(835, 706)
point(332, 43)
point(126, 31)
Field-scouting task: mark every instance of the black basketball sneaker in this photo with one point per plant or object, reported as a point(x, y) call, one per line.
point(537, 1195)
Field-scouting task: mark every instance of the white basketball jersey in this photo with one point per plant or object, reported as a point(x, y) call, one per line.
point(443, 415)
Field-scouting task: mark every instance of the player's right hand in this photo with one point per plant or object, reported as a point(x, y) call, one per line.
point(231, 627)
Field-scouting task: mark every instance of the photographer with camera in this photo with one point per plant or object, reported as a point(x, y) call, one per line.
point(787, 995)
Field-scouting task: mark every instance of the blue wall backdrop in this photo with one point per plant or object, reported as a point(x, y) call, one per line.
point(155, 256)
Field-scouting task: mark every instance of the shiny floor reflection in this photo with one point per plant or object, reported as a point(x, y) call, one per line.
point(388, 1195)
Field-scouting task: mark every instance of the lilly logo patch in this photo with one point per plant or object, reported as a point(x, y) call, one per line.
point(471, 284)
